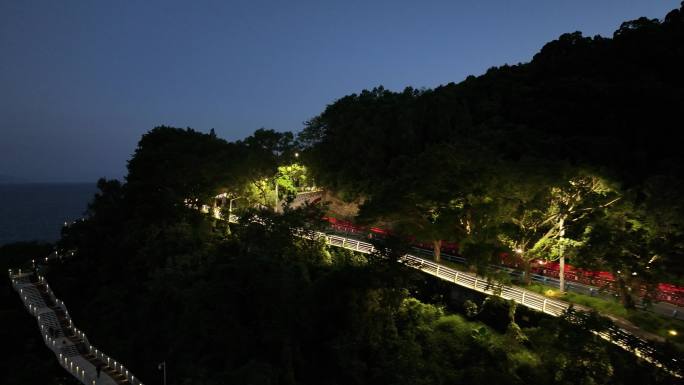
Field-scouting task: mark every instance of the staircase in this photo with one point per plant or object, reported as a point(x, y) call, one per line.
point(70, 345)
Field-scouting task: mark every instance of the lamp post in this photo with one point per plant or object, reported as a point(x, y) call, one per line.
point(561, 270)
point(162, 366)
point(230, 207)
point(276, 194)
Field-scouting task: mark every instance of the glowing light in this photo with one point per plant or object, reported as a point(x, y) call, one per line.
point(519, 251)
point(672, 332)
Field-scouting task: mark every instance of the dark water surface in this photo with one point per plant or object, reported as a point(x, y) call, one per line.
point(38, 211)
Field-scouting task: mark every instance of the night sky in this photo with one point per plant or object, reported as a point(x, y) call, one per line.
point(80, 81)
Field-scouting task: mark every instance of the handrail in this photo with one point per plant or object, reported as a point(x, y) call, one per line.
point(469, 280)
point(616, 335)
point(80, 370)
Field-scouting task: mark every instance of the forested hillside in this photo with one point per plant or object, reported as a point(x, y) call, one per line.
point(572, 155)
point(455, 162)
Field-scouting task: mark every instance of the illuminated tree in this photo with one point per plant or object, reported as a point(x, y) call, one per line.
point(567, 205)
point(439, 196)
point(521, 233)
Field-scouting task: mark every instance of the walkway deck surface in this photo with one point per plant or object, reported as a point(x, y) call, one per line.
point(623, 334)
point(70, 345)
point(75, 353)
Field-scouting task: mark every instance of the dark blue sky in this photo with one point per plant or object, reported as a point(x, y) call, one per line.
point(80, 81)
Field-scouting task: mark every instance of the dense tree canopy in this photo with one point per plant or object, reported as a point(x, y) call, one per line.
point(607, 108)
point(568, 155)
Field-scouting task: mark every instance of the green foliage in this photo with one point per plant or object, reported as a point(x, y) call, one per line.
point(174, 168)
point(470, 308)
point(264, 305)
point(532, 156)
point(522, 155)
point(291, 178)
point(497, 312)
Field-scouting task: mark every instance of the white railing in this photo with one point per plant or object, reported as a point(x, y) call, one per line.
point(471, 281)
point(80, 367)
point(519, 295)
point(530, 299)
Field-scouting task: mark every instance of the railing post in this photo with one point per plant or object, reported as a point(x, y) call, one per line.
point(437, 270)
point(475, 285)
point(544, 306)
point(522, 301)
point(456, 277)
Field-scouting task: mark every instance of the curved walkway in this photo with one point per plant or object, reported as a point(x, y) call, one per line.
point(625, 339)
point(75, 353)
point(70, 345)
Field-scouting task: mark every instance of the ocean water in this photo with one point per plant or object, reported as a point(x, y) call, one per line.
point(38, 211)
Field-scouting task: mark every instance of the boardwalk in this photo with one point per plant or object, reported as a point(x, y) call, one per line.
point(75, 353)
point(616, 335)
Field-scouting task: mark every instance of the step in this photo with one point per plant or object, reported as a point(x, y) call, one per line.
point(33, 297)
point(49, 320)
point(75, 339)
point(24, 279)
point(69, 351)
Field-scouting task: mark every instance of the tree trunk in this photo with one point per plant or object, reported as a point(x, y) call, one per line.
point(437, 250)
point(625, 294)
point(561, 270)
point(561, 273)
point(276, 196)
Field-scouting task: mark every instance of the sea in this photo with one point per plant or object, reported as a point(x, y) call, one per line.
point(37, 211)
